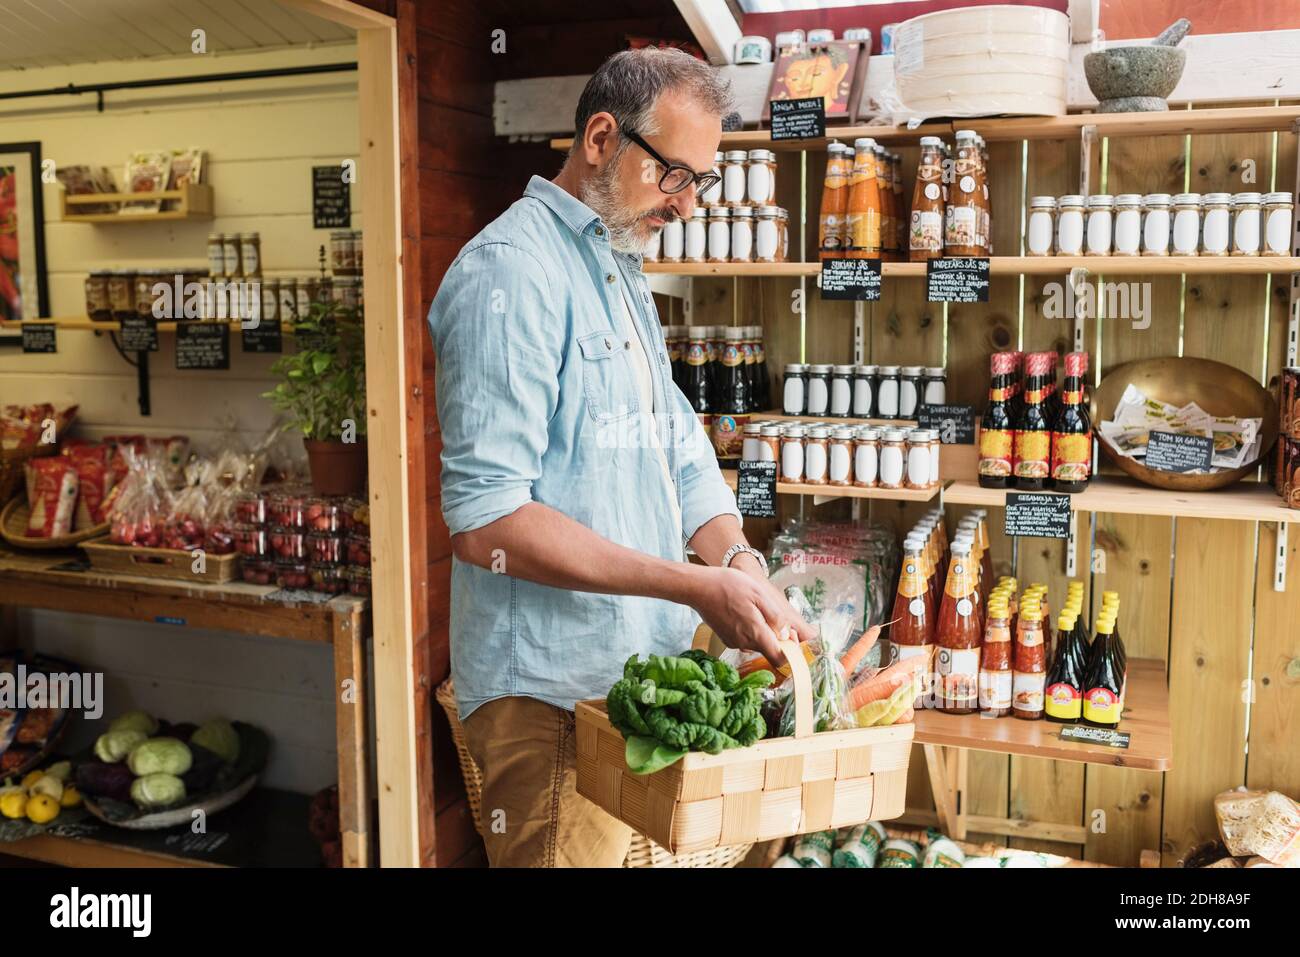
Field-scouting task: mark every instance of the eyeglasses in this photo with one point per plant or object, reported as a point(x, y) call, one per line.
point(676, 177)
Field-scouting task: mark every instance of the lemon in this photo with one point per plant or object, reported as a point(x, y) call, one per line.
point(41, 809)
point(71, 797)
point(31, 778)
point(14, 804)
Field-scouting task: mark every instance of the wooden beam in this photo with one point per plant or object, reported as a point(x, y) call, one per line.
point(714, 27)
point(351, 722)
point(343, 12)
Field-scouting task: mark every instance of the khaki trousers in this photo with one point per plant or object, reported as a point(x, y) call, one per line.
point(532, 813)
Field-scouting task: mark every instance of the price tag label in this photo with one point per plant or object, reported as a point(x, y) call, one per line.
point(202, 345)
point(954, 423)
point(756, 489)
point(853, 279)
point(957, 280)
point(331, 204)
point(1171, 452)
point(138, 335)
point(1104, 736)
point(1037, 515)
point(40, 338)
point(798, 119)
point(266, 336)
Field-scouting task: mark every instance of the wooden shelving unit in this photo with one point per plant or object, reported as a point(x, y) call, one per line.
point(1015, 266)
point(82, 324)
point(61, 581)
point(833, 420)
point(828, 492)
point(194, 201)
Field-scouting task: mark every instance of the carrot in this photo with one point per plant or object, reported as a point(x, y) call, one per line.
point(885, 682)
point(849, 661)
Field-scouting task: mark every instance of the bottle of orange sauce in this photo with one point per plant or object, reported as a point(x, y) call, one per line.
point(1029, 665)
point(885, 176)
point(832, 232)
point(958, 635)
point(865, 211)
point(964, 214)
point(912, 630)
point(926, 224)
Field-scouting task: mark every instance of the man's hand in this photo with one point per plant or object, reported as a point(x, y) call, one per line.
point(745, 611)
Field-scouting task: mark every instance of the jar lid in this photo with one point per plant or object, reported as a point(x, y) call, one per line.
point(894, 435)
point(736, 156)
point(770, 430)
point(871, 370)
point(1277, 197)
point(835, 146)
point(939, 371)
point(1101, 201)
point(1073, 199)
point(965, 134)
point(889, 370)
point(912, 370)
point(924, 435)
point(1218, 199)
point(250, 237)
point(772, 211)
point(1246, 199)
point(863, 370)
point(762, 155)
point(819, 432)
point(719, 212)
point(843, 370)
point(868, 433)
point(931, 141)
point(341, 234)
point(743, 212)
point(843, 432)
point(734, 333)
point(1156, 199)
point(215, 237)
point(1048, 201)
point(819, 369)
point(864, 143)
point(718, 157)
point(782, 214)
point(795, 367)
point(752, 428)
point(1128, 199)
point(792, 432)
point(1187, 199)
point(700, 211)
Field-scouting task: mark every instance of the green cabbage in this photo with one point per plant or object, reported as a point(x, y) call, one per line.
point(157, 790)
point(115, 745)
point(135, 721)
point(220, 737)
point(160, 756)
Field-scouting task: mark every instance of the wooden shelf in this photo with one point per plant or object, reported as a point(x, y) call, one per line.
point(762, 139)
point(83, 324)
point(1017, 265)
point(832, 420)
point(839, 491)
point(1244, 502)
point(195, 202)
point(1146, 717)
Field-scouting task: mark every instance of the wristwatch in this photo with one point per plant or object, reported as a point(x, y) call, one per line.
point(739, 548)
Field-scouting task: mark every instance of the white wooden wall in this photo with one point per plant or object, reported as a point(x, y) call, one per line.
point(261, 138)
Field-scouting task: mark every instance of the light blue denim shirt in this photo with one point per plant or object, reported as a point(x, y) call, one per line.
point(538, 402)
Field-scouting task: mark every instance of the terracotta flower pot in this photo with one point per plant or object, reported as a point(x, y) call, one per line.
point(337, 468)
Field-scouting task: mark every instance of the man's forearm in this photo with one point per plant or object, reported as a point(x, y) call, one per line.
point(539, 544)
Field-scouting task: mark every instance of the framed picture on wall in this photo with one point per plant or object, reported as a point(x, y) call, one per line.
point(24, 288)
point(834, 71)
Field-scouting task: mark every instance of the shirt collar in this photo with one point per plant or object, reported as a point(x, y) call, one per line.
point(576, 214)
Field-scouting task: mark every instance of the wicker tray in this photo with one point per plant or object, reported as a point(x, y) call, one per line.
point(159, 562)
point(13, 528)
point(775, 788)
point(642, 853)
point(177, 815)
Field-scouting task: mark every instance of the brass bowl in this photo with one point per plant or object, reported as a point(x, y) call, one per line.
point(1217, 388)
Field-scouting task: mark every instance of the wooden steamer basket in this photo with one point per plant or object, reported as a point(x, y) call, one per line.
point(777, 787)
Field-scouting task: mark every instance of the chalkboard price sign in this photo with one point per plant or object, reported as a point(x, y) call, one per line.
point(39, 338)
point(331, 204)
point(954, 423)
point(957, 280)
point(266, 336)
point(798, 119)
point(202, 345)
point(138, 335)
point(853, 279)
point(1171, 452)
point(756, 489)
point(1103, 736)
point(1037, 515)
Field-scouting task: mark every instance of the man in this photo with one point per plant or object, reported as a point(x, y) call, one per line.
point(573, 469)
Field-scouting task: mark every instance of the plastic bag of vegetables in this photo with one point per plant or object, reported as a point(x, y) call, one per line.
point(667, 706)
point(829, 678)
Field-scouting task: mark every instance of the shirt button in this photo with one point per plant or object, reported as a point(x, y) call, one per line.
point(663, 361)
point(600, 230)
point(627, 343)
point(609, 277)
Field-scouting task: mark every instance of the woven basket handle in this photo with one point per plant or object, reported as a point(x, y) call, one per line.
point(803, 695)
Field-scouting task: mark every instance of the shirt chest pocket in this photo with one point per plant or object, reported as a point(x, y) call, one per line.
point(607, 377)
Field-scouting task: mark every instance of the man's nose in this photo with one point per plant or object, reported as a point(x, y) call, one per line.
point(683, 203)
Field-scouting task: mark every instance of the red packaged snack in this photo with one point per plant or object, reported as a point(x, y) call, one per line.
point(358, 550)
point(291, 573)
point(250, 540)
point(325, 548)
point(286, 508)
point(257, 571)
point(322, 515)
point(185, 528)
point(288, 543)
point(250, 508)
point(93, 477)
point(53, 496)
point(328, 578)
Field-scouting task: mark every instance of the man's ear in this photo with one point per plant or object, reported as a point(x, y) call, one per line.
point(600, 138)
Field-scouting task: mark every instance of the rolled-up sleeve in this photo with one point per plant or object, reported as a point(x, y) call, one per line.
point(705, 495)
point(499, 347)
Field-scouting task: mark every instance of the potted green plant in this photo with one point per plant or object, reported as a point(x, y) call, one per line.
point(322, 388)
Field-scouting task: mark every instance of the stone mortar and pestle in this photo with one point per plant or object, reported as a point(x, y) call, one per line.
point(1137, 79)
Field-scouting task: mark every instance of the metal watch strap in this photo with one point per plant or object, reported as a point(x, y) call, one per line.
point(738, 549)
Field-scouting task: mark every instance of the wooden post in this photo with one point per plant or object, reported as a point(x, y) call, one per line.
point(351, 709)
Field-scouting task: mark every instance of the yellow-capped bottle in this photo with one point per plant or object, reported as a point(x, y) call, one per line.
point(1103, 698)
point(1063, 698)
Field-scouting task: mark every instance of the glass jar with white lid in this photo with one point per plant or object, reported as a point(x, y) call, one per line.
point(1279, 209)
point(734, 177)
point(1101, 212)
point(1216, 229)
point(695, 245)
point(767, 235)
point(1069, 226)
point(760, 177)
point(719, 234)
point(1042, 226)
point(1187, 224)
point(1155, 224)
point(1246, 231)
point(742, 234)
point(674, 237)
point(713, 195)
point(1128, 225)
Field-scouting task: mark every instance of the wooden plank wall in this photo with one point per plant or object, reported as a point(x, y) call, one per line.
point(1195, 593)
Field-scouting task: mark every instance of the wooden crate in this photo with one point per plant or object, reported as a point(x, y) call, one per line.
point(159, 562)
point(775, 788)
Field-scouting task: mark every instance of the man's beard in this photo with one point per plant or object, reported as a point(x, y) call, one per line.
point(628, 231)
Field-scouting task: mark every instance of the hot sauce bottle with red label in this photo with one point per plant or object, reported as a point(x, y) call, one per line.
point(995, 660)
point(1033, 441)
point(958, 636)
point(1072, 432)
point(996, 434)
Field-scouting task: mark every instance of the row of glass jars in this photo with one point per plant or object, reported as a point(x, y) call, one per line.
point(864, 457)
point(720, 234)
point(862, 391)
point(116, 294)
point(1186, 224)
point(748, 179)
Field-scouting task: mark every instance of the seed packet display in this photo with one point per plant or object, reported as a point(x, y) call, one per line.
point(82, 180)
point(186, 167)
point(147, 171)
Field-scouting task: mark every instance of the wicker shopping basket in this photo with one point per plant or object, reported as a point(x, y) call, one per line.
point(775, 788)
point(642, 853)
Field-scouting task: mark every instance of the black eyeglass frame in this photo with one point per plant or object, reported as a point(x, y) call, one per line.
point(703, 181)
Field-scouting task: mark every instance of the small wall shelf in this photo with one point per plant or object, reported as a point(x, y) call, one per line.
point(194, 201)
